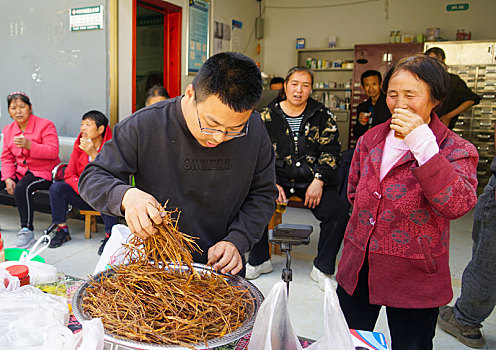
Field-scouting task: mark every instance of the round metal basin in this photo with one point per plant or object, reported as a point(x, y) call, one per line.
point(244, 329)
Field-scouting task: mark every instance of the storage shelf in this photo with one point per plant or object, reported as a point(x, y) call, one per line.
point(325, 49)
point(331, 89)
point(333, 70)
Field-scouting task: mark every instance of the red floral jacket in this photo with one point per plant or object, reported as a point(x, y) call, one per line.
point(402, 222)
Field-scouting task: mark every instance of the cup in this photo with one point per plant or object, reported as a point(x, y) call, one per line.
point(281, 207)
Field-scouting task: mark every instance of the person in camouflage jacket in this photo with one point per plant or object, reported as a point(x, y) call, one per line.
point(307, 161)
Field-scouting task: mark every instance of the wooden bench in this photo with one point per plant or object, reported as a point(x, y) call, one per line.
point(294, 202)
point(89, 222)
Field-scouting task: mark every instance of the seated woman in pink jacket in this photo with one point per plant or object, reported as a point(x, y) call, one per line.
point(409, 177)
point(95, 131)
point(30, 152)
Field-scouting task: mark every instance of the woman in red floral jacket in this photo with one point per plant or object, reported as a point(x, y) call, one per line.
point(409, 177)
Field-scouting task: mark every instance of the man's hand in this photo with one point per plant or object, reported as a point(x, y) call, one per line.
point(282, 196)
point(10, 186)
point(363, 118)
point(314, 193)
point(224, 256)
point(445, 119)
point(22, 142)
point(141, 209)
point(87, 146)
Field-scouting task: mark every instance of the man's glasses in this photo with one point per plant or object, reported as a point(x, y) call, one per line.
point(210, 131)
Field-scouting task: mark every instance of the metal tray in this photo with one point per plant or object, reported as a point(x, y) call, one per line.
point(229, 338)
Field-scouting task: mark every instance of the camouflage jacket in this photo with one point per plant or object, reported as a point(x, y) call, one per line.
point(317, 149)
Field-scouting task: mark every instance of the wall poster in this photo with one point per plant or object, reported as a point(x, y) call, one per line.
point(198, 34)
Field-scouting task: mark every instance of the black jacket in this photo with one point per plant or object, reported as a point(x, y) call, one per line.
point(318, 149)
point(223, 193)
point(380, 113)
point(458, 93)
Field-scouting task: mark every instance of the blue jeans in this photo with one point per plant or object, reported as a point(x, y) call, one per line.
point(61, 194)
point(478, 296)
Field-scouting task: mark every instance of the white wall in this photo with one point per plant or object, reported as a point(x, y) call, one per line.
point(363, 23)
point(223, 11)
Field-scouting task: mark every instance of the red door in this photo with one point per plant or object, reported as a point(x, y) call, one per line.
point(378, 57)
point(156, 48)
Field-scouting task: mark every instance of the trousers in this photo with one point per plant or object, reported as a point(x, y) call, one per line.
point(333, 214)
point(410, 329)
point(62, 194)
point(478, 295)
point(23, 193)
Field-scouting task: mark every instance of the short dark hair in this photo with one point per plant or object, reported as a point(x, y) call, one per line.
point(276, 80)
point(425, 68)
point(231, 76)
point(156, 90)
point(18, 96)
point(291, 71)
point(370, 73)
point(436, 51)
point(98, 117)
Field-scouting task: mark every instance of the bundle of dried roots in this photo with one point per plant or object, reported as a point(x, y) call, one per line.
point(160, 298)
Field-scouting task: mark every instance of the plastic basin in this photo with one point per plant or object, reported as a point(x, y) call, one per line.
point(13, 254)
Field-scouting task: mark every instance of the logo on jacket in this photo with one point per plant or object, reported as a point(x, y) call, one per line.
point(207, 164)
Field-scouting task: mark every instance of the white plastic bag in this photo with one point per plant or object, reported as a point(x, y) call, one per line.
point(336, 332)
point(90, 338)
point(113, 253)
point(273, 330)
point(39, 273)
point(27, 314)
point(6, 278)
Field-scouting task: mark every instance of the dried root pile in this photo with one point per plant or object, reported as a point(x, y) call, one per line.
point(159, 297)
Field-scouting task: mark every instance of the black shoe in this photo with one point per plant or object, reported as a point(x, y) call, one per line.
point(102, 246)
point(60, 237)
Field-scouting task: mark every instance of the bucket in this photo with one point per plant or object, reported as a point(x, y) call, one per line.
point(13, 254)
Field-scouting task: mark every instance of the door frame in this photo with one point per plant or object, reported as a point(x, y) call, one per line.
point(172, 45)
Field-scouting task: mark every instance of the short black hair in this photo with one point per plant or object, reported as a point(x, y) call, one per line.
point(156, 90)
point(370, 73)
point(430, 70)
point(436, 51)
point(276, 80)
point(231, 76)
point(98, 117)
point(18, 96)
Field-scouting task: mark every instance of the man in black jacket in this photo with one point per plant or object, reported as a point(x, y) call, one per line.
point(460, 97)
point(205, 153)
point(305, 137)
point(374, 110)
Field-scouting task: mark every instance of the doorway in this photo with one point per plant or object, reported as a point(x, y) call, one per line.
point(156, 49)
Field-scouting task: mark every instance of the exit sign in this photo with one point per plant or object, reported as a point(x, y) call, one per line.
point(457, 7)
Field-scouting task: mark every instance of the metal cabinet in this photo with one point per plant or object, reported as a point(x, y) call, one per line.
point(478, 124)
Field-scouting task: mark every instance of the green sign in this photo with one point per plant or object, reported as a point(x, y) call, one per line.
point(86, 18)
point(457, 7)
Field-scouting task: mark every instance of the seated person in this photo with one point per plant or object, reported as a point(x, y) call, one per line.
point(95, 131)
point(29, 154)
point(305, 137)
point(460, 97)
point(155, 94)
point(276, 83)
point(372, 111)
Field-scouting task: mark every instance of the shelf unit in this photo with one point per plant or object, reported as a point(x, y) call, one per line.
point(334, 75)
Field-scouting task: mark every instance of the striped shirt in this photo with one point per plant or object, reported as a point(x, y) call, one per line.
point(294, 124)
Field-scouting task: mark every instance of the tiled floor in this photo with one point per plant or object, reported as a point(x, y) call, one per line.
point(79, 256)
